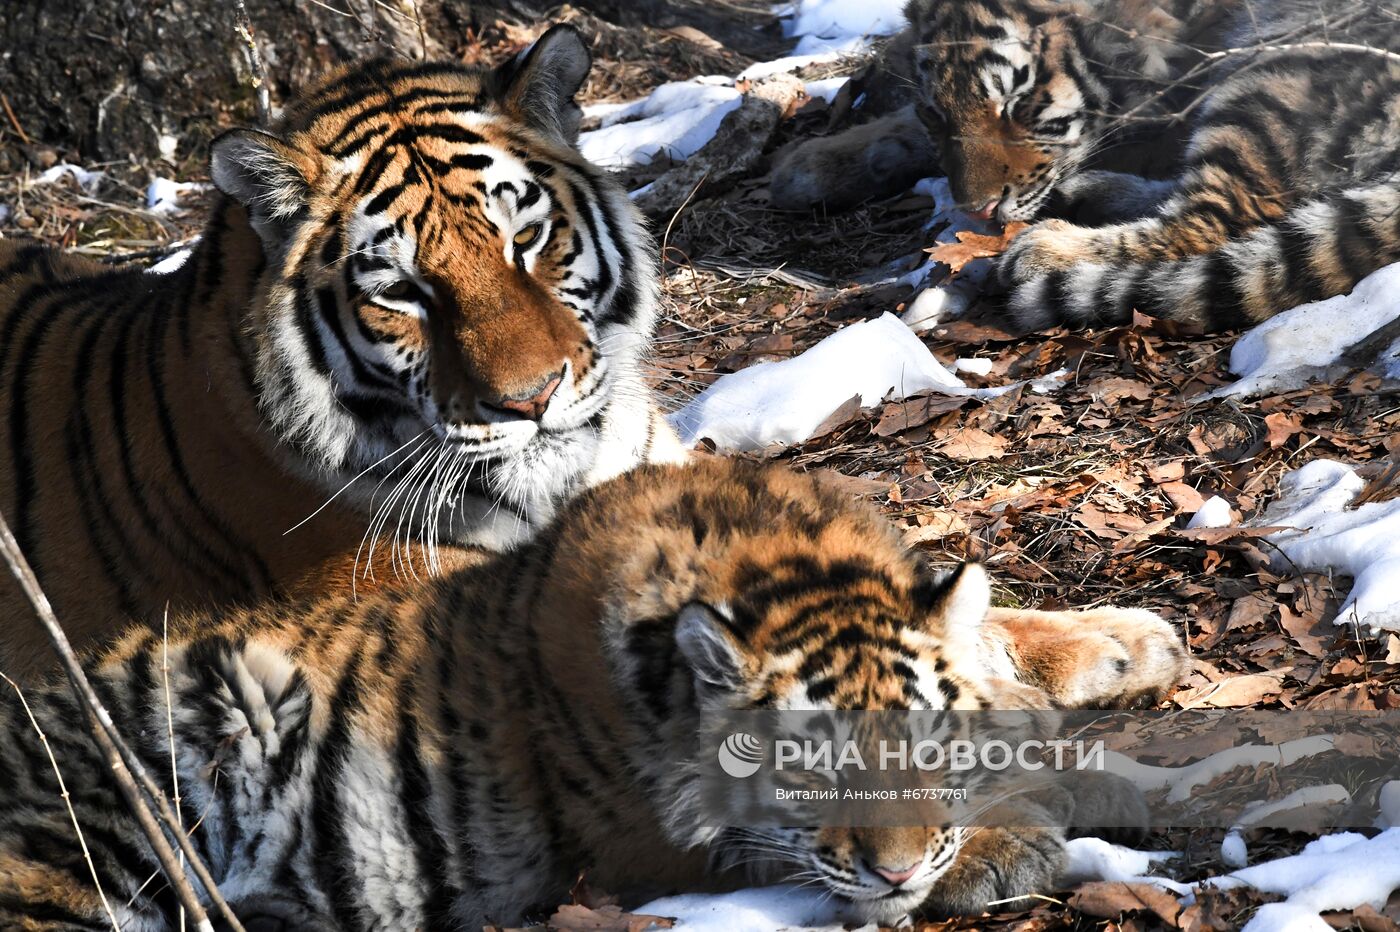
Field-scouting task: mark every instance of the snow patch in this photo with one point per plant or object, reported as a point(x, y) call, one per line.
point(163, 195)
point(676, 120)
point(784, 402)
point(811, 50)
point(973, 366)
point(1324, 535)
point(1285, 351)
point(1181, 782)
point(832, 18)
point(1092, 859)
point(171, 262)
point(826, 88)
point(1233, 850)
point(87, 180)
point(762, 909)
point(1341, 871)
point(952, 298)
point(1214, 513)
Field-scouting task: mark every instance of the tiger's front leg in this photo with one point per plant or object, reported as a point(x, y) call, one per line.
point(996, 864)
point(1100, 658)
point(1201, 213)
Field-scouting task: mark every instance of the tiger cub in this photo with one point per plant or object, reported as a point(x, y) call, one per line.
point(1286, 191)
point(452, 752)
point(417, 314)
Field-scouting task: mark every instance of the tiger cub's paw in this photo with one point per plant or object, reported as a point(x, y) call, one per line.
point(996, 865)
point(1126, 658)
point(1049, 246)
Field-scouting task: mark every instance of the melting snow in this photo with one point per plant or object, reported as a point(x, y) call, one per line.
point(762, 909)
point(784, 402)
point(842, 18)
point(1326, 536)
point(677, 119)
point(163, 195)
point(1214, 513)
point(87, 180)
point(934, 305)
point(1283, 352)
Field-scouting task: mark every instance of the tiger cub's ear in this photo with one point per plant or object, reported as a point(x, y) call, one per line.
point(538, 85)
point(704, 641)
point(955, 603)
point(266, 175)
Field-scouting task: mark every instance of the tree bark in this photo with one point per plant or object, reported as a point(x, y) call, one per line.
point(138, 78)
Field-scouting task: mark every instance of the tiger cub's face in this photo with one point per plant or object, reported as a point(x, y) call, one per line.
point(796, 600)
point(867, 647)
point(446, 275)
point(1008, 98)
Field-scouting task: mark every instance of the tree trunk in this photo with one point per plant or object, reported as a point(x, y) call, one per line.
point(136, 78)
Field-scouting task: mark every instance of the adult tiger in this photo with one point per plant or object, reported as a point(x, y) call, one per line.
point(415, 303)
point(1285, 192)
point(450, 754)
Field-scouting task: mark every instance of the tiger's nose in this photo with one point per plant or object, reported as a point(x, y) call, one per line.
point(895, 877)
point(529, 404)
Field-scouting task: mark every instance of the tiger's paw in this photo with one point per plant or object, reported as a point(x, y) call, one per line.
point(1126, 658)
point(1049, 246)
point(996, 865)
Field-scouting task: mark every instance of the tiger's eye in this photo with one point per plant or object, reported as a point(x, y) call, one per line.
point(399, 289)
point(528, 235)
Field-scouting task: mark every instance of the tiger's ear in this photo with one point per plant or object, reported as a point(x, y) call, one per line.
point(538, 85)
point(707, 646)
point(955, 602)
point(266, 175)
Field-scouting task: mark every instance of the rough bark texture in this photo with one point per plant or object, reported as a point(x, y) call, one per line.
point(110, 79)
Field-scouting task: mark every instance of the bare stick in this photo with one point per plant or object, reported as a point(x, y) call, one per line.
point(67, 801)
point(262, 98)
point(120, 759)
point(170, 732)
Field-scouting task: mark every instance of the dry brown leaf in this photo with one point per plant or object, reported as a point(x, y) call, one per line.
point(1111, 899)
point(579, 918)
point(1281, 427)
point(915, 412)
point(1310, 631)
point(935, 525)
point(973, 246)
point(851, 485)
point(1185, 498)
point(972, 444)
point(1233, 692)
point(1113, 390)
point(1250, 611)
point(1167, 472)
point(844, 414)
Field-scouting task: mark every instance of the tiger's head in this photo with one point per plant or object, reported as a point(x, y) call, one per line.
point(445, 278)
point(1009, 97)
point(744, 589)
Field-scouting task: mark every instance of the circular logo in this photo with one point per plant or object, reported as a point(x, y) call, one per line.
point(740, 755)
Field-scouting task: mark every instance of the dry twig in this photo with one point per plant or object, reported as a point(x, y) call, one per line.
point(126, 769)
point(262, 97)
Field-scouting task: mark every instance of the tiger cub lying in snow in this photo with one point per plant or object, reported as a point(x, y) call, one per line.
point(1288, 189)
point(454, 751)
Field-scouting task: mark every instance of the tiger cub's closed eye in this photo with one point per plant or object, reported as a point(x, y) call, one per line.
point(528, 235)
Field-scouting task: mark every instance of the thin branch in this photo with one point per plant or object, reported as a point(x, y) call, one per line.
point(170, 732)
point(261, 96)
point(123, 764)
point(67, 801)
point(1320, 44)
